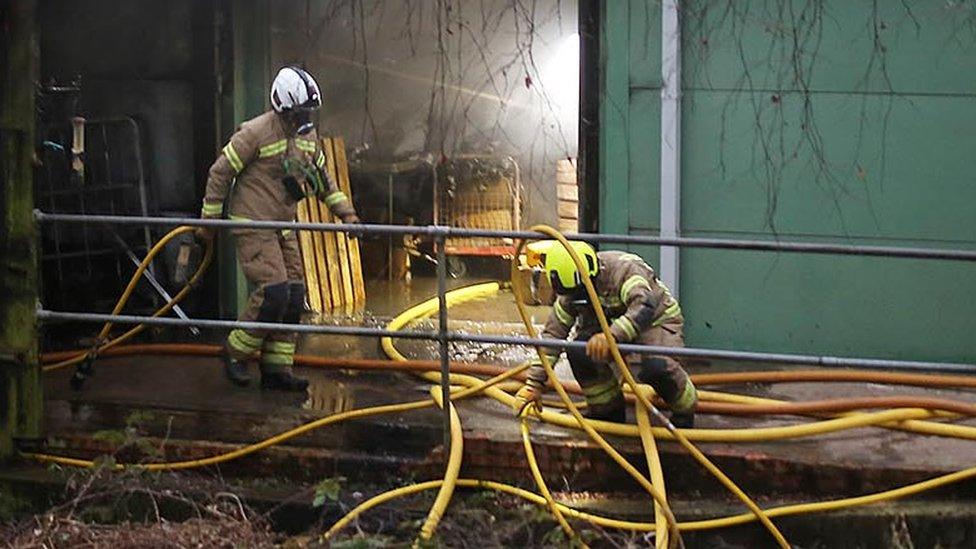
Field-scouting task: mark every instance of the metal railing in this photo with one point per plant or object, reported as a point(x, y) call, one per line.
point(436, 231)
point(444, 336)
point(456, 336)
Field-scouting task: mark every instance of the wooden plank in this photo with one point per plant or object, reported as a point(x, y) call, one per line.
point(331, 247)
point(566, 171)
point(328, 303)
point(568, 210)
point(567, 191)
point(307, 247)
point(328, 264)
point(341, 241)
point(568, 225)
point(355, 262)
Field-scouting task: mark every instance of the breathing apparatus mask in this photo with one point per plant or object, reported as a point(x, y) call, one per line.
point(300, 118)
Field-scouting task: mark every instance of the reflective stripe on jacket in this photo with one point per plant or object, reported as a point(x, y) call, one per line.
point(253, 161)
point(632, 297)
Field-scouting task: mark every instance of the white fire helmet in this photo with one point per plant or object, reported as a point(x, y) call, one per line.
point(295, 91)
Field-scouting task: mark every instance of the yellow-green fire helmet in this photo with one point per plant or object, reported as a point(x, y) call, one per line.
point(561, 269)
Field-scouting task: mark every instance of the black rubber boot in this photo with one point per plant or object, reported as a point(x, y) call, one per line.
point(684, 420)
point(236, 370)
point(283, 381)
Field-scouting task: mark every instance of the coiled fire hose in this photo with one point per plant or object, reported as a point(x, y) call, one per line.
point(908, 416)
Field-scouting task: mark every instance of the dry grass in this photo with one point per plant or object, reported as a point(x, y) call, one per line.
point(50, 531)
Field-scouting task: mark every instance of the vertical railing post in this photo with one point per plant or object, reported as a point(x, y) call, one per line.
point(670, 264)
point(440, 242)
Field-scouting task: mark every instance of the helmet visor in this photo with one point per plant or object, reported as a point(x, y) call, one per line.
point(563, 288)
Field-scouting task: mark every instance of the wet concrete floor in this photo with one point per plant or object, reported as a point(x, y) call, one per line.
point(194, 402)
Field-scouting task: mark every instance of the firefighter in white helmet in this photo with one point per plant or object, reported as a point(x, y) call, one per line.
point(273, 160)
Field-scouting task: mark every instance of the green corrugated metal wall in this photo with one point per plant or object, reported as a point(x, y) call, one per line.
point(888, 156)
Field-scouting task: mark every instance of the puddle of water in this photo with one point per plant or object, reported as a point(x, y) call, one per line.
point(329, 396)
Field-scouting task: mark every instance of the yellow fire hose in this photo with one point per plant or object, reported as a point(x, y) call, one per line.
point(541, 483)
point(743, 403)
point(690, 526)
point(446, 491)
point(529, 496)
point(473, 387)
point(133, 282)
point(475, 292)
point(657, 473)
point(906, 418)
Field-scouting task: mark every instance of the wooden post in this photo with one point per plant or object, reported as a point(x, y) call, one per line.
point(20, 388)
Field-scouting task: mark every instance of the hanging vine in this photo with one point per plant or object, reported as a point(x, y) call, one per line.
point(778, 53)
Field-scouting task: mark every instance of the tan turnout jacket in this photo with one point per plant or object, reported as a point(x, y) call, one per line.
point(632, 296)
point(634, 301)
point(254, 160)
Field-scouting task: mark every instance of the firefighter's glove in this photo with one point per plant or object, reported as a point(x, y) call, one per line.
point(598, 348)
point(205, 234)
point(354, 223)
point(529, 397)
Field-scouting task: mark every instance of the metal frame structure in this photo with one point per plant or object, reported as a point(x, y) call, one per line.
point(457, 246)
point(104, 192)
point(445, 337)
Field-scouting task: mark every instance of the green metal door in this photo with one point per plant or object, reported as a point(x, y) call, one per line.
point(829, 121)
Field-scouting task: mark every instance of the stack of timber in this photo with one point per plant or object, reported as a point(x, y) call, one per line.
point(567, 192)
point(333, 270)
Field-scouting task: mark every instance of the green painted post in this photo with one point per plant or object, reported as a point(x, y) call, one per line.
point(20, 388)
point(614, 118)
point(251, 58)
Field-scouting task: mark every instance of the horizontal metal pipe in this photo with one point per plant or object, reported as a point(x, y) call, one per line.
point(46, 315)
point(719, 354)
point(686, 352)
point(358, 229)
point(442, 231)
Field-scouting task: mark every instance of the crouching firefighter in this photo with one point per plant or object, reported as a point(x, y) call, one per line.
point(640, 309)
point(274, 160)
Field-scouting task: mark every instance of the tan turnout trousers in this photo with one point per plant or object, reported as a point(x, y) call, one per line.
point(272, 264)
